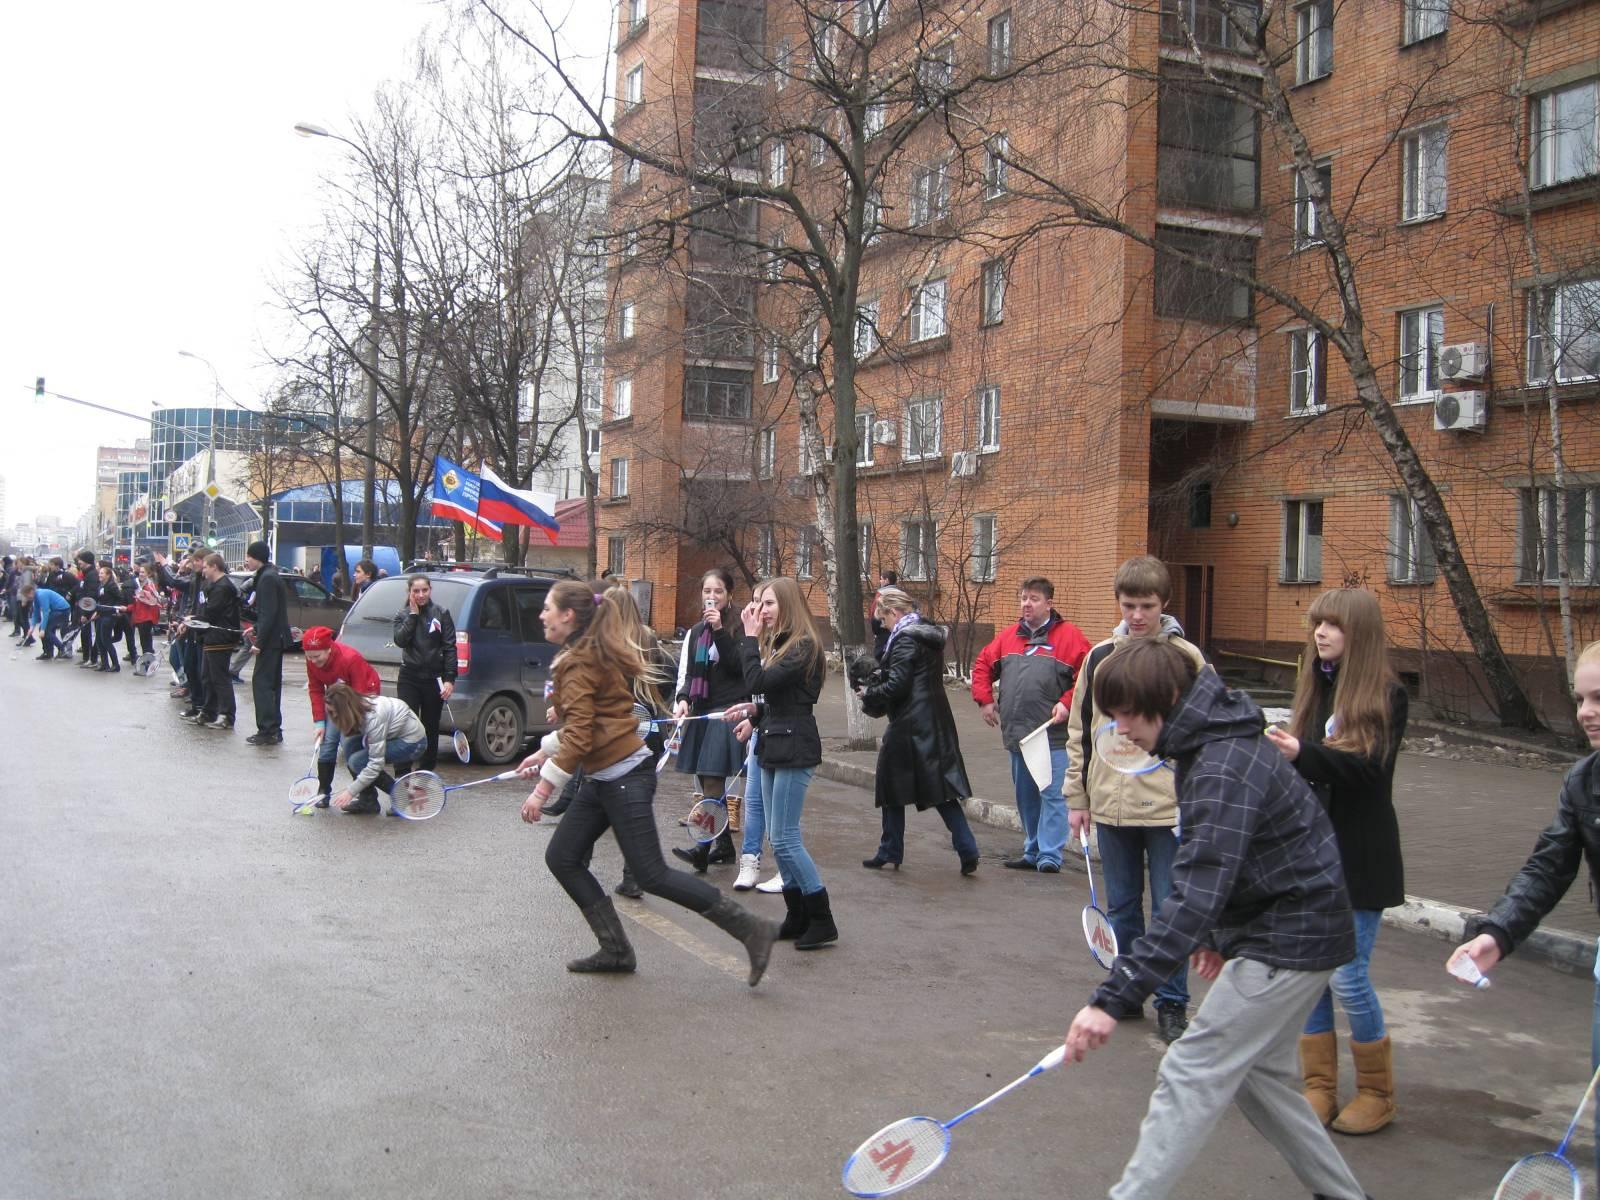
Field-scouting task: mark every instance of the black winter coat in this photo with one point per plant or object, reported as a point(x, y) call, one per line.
point(1573, 836)
point(222, 608)
point(270, 598)
point(789, 688)
point(1358, 792)
point(427, 650)
point(919, 761)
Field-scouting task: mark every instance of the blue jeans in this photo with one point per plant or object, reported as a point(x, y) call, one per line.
point(783, 792)
point(1043, 813)
point(755, 814)
point(328, 748)
point(1354, 990)
point(395, 754)
point(50, 633)
point(1124, 850)
point(892, 845)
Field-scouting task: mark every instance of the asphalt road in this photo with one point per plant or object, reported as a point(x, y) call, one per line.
point(202, 994)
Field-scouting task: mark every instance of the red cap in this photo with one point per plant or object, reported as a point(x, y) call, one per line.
point(318, 637)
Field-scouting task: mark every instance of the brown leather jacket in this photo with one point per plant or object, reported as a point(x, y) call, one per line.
point(594, 709)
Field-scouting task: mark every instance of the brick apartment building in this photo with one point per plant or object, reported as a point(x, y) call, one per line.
point(1035, 394)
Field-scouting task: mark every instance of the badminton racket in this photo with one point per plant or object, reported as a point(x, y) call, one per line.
point(458, 740)
point(192, 623)
point(1097, 930)
point(420, 796)
point(88, 604)
point(1547, 1176)
point(708, 819)
point(911, 1149)
point(1124, 755)
point(304, 792)
point(674, 741)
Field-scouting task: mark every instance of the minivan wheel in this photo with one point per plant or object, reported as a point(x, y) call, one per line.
point(498, 735)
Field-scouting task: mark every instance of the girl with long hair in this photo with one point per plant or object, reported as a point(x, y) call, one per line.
point(602, 671)
point(390, 735)
point(710, 678)
point(1349, 719)
point(425, 634)
point(784, 669)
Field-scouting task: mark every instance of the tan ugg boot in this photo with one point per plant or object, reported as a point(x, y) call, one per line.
point(1319, 1064)
point(1373, 1107)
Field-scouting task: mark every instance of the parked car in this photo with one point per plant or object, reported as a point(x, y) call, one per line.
point(309, 602)
point(502, 658)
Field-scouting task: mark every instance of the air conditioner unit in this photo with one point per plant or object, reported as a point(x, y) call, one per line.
point(885, 433)
point(963, 463)
point(1460, 412)
point(1465, 360)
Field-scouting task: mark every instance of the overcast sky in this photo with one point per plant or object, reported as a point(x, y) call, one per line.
point(153, 185)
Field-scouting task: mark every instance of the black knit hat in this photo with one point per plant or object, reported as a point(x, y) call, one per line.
point(259, 552)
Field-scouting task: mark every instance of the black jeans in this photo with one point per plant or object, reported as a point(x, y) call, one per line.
point(147, 636)
point(420, 693)
point(219, 684)
point(105, 642)
point(266, 689)
point(626, 807)
point(194, 670)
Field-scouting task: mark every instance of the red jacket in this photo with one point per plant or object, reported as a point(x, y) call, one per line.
point(1032, 674)
point(344, 665)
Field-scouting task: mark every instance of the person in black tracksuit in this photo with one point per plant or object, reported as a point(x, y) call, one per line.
point(221, 611)
point(88, 584)
point(272, 638)
point(191, 596)
point(107, 627)
point(426, 637)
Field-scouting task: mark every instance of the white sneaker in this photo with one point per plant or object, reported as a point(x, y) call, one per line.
point(749, 872)
point(775, 884)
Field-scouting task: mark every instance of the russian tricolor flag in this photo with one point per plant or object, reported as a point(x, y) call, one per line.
point(457, 495)
point(499, 501)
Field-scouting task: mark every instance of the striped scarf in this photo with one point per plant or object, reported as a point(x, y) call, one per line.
point(701, 657)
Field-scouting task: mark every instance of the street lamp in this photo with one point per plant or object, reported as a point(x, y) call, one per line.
point(369, 481)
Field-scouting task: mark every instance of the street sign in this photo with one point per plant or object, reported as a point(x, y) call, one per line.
point(213, 491)
point(180, 541)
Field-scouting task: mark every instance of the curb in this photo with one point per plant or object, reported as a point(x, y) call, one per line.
point(1570, 953)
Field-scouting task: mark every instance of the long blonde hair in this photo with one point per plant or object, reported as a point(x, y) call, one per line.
point(1361, 688)
point(795, 628)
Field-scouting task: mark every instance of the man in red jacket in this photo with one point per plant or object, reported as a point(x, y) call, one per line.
point(329, 662)
point(1021, 680)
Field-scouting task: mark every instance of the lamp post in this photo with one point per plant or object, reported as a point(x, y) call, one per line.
point(369, 482)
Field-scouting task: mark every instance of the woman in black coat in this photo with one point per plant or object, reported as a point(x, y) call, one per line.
point(920, 759)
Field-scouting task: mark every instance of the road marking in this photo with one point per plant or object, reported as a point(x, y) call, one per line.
point(685, 940)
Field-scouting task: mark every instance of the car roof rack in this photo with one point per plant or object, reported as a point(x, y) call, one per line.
point(490, 570)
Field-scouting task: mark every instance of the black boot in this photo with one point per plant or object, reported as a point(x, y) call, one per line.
point(615, 954)
point(722, 850)
point(324, 782)
point(756, 934)
point(820, 929)
point(794, 921)
point(697, 856)
point(629, 886)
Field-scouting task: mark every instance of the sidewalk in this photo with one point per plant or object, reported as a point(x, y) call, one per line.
point(1465, 826)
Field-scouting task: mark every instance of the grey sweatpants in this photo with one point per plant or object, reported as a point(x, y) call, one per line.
point(1243, 1048)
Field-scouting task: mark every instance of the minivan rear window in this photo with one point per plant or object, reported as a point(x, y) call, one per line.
point(387, 596)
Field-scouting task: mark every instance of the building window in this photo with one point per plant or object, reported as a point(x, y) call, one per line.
point(782, 57)
point(864, 438)
point(1537, 560)
point(619, 478)
point(591, 443)
point(871, 217)
point(1208, 141)
point(1206, 21)
point(917, 548)
point(1307, 360)
point(807, 456)
point(983, 549)
point(1564, 332)
point(769, 359)
point(1307, 225)
point(994, 292)
point(616, 556)
point(1198, 291)
point(819, 149)
point(766, 551)
point(926, 319)
point(630, 170)
point(1200, 505)
point(1562, 131)
point(869, 17)
point(866, 339)
point(625, 321)
point(1302, 541)
point(1313, 56)
point(637, 11)
point(1422, 188)
point(621, 399)
point(805, 552)
point(995, 151)
point(633, 87)
point(936, 71)
point(930, 194)
point(923, 419)
point(1000, 43)
point(989, 418)
point(814, 347)
point(767, 452)
point(1421, 336)
point(777, 164)
point(716, 394)
point(1425, 19)
point(1410, 552)
point(864, 544)
point(874, 119)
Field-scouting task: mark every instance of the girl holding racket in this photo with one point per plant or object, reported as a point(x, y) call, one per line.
point(1570, 838)
point(710, 678)
point(390, 735)
point(601, 672)
point(1349, 719)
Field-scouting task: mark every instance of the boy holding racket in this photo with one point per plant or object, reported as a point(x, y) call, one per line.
point(1258, 898)
point(1135, 816)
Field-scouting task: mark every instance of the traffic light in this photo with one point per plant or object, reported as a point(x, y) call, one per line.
point(211, 536)
point(38, 388)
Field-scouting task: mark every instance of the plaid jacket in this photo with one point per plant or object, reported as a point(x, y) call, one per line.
point(1258, 873)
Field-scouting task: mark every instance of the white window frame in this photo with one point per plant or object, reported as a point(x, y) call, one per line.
point(805, 550)
point(999, 42)
point(1571, 320)
point(1307, 225)
point(924, 421)
point(985, 528)
point(926, 319)
point(937, 70)
point(1425, 19)
point(1421, 338)
point(592, 437)
point(1537, 562)
point(930, 193)
point(919, 543)
point(1424, 173)
point(633, 87)
point(1313, 55)
point(767, 452)
point(617, 556)
point(782, 64)
point(995, 150)
point(777, 164)
point(868, 17)
point(992, 290)
point(1409, 553)
point(807, 460)
point(864, 547)
point(630, 170)
point(819, 149)
point(638, 10)
point(989, 418)
point(619, 478)
point(874, 119)
point(872, 216)
point(1301, 559)
point(625, 320)
point(766, 551)
point(622, 398)
point(769, 359)
point(1560, 148)
point(1308, 365)
point(866, 337)
point(864, 422)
